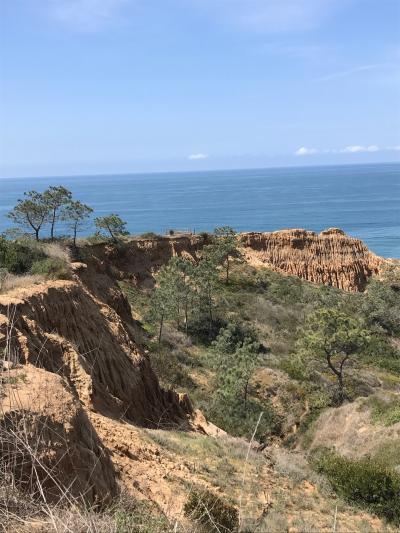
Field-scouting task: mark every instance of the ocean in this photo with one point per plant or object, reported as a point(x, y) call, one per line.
point(363, 200)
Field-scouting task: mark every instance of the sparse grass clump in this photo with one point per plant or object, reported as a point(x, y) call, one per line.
point(20, 282)
point(208, 509)
point(385, 411)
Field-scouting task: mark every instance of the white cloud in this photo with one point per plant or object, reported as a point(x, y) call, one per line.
point(195, 157)
point(306, 151)
point(393, 148)
point(353, 149)
point(86, 15)
point(350, 72)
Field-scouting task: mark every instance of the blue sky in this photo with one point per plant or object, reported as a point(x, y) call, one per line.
point(100, 86)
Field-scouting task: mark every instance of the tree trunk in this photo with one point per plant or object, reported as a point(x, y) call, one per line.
point(37, 233)
point(53, 221)
point(75, 230)
point(342, 394)
point(338, 374)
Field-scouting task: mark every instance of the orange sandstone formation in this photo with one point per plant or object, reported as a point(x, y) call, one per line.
point(330, 257)
point(71, 354)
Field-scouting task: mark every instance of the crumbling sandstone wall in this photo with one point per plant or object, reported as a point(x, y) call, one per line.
point(330, 257)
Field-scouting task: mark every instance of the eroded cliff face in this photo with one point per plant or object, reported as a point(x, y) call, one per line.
point(61, 327)
point(71, 354)
point(139, 259)
point(330, 257)
point(48, 440)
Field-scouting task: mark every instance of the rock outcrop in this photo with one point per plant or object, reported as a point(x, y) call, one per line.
point(70, 354)
point(139, 259)
point(62, 328)
point(330, 257)
point(49, 442)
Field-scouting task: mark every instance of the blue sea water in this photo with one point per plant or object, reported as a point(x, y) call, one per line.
point(363, 200)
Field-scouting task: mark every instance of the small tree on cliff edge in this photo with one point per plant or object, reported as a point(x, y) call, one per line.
point(334, 336)
point(76, 214)
point(32, 212)
point(112, 225)
point(57, 199)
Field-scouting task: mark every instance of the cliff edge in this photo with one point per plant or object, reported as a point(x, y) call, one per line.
point(330, 257)
point(73, 368)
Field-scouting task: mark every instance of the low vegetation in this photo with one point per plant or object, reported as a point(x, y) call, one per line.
point(24, 262)
point(218, 339)
point(364, 482)
point(385, 411)
point(211, 511)
point(263, 342)
point(261, 354)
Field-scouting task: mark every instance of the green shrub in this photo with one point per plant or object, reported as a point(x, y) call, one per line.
point(18, 256)
point(207, 237)
point(381, 305)
point(365, 482)
point(295, 367)
point(240, 421)
point(388, 453)
point(212, 511)
point(380, 352)
point(385, 412)
point(96, 238)
point(51, 267)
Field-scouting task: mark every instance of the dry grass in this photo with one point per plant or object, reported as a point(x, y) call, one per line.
point(57, 251)
point(12, 281)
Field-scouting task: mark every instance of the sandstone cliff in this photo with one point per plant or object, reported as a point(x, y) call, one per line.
point(70, 354)
point(330, 257)
point(48, 441)
point(139, 259)
point(63, 329)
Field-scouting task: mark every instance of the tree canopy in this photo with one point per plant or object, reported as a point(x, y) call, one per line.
point(112, 225)
point(334, 336)
point(57, 200)
point(31, 212)
point(76, 214)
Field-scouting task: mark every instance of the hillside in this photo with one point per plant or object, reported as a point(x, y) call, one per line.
point(94, 406)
